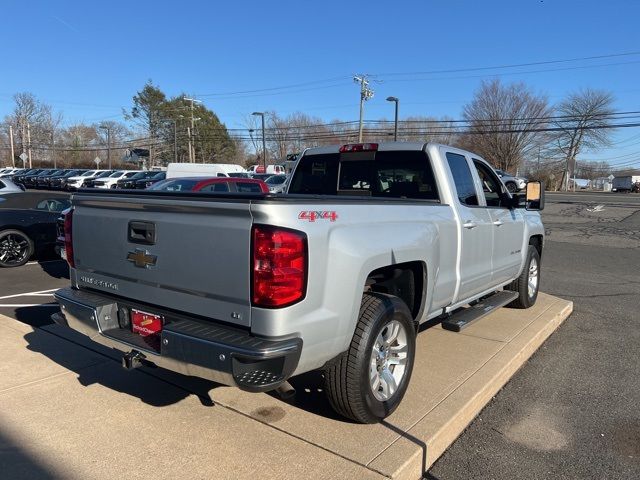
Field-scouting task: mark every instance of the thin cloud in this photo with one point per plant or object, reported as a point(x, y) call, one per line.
point(66, 24)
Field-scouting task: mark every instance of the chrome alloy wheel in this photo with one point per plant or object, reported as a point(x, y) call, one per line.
point(388, 360)
point(13, 249)
point(532, 283)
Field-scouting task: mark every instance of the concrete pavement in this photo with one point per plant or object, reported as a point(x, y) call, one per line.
point(67, 410)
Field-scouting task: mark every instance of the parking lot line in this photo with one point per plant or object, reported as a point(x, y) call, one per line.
point(18, 305)
point(45, 261)
point(41, 293)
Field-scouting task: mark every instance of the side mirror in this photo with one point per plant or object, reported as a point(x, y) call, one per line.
point(534, 199)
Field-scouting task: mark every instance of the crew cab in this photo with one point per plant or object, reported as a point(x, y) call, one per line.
point(370, 241)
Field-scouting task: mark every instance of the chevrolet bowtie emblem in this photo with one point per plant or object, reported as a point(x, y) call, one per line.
point(141, 258)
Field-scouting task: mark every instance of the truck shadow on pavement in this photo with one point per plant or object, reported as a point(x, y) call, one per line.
point(55, 268)
point(100, 366)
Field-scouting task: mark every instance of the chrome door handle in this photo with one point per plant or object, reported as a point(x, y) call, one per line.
point(497, 223)
point(469, 224)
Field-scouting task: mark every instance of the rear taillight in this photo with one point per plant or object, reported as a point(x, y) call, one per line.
point(279, 267)
point(68, 238)
point(359, 147)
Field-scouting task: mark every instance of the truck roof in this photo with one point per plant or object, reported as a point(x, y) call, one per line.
point(383, 146)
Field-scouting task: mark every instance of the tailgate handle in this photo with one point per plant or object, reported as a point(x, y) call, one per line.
point(143, 233)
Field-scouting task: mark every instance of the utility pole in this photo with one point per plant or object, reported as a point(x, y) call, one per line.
point(192, 154)
point(108, 144)
point(365, 94)
point(13, 161)
point(29, 144)
point(189, 137)
point(264, 144)
point(53, 148)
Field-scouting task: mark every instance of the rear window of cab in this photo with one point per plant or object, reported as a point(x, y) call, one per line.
point(386, 174)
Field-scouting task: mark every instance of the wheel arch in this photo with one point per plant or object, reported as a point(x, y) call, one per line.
point(407, 280)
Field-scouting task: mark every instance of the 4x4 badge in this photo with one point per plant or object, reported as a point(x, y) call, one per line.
point(141, 258)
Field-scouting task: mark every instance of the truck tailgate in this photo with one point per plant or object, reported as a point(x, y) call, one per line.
point(196, 260)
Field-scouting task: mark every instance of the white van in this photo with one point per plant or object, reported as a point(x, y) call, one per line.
point(273, 169)
point(177, 170)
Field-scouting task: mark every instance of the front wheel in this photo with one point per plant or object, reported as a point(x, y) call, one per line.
point(367, 382)
point(15, 248)
point(528, 283)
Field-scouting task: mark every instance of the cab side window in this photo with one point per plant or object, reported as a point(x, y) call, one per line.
point(491, 185)
point(462, 178)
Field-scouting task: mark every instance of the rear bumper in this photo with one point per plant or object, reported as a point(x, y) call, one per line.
point(186, 345)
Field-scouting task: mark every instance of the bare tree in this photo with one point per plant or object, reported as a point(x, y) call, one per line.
point(504, 123)
point(584, 120)
point(34, 125)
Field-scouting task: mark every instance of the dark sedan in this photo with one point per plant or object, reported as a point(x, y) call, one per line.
point(147, 182)
point(28, 225)
point(129, 183)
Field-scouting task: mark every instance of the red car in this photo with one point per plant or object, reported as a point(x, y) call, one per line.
point(215, 184)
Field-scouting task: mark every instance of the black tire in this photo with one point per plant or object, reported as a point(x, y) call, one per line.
point(526, 298)
point(347, 378)
point(512, 187)
point(16, 248)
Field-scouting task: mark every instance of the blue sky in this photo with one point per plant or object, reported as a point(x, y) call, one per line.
point(88, 59)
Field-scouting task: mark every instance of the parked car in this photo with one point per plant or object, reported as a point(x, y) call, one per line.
point(17, 178)
point(216, 184)
point(77, 182)
point(59, 182)
point(129, 183)
point(23, 177)
point(112, 180)
point(7, 186)
point(29, 181)
point(276, 183)
point(513, 183)
point(10, 172)
point(91, 182)
point(261, 176)
point(42, 182)
point(147, 182)
point(371, 242)
point(28, 225)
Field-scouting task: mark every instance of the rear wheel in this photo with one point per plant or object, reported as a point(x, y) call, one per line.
point(15, 248)
point(368, 381)
point(528, 283)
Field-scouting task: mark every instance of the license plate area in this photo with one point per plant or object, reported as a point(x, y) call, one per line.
point(146, 324)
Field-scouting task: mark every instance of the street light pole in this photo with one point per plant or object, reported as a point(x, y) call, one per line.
point(264, 144)
point(395, 128)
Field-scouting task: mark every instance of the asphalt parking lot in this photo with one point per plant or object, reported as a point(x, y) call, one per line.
point(571, 411)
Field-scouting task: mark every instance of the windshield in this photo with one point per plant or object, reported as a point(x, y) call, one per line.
point(276, 180)
point(88, 173)
point(116, 174)
point(178, 185)
point(104, 174)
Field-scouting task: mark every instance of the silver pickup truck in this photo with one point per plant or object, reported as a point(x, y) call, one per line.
point(370, 241)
